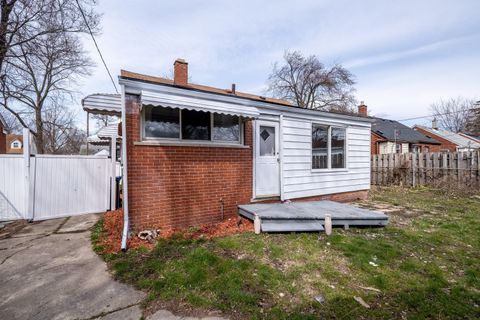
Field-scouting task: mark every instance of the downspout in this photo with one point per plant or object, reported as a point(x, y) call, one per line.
point(124, 173)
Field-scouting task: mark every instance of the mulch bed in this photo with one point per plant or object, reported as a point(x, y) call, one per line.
point(113, 227)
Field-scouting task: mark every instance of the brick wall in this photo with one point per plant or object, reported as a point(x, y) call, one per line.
point(445, 144)
point(3, 140)
point(179, 186)
point(431, 147)
point(375, 138)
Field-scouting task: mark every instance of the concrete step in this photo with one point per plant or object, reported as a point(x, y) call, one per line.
point(291, 225)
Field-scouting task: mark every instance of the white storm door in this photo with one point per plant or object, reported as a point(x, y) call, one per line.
point(267, 161)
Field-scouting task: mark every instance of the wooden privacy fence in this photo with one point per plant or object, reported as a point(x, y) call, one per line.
point(454, 169)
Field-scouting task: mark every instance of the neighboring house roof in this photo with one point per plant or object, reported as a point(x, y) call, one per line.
point(395, 131)
point(10, 139)
point(104, 135)
point(103, 103)
point(461, 140)
point(228, 92)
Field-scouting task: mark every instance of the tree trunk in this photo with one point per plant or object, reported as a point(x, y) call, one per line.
point(6, 9)
point(39, 141)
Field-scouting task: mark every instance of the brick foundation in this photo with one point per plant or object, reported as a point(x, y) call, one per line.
point(339, 197)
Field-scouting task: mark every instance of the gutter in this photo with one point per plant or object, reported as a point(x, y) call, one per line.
point(124, 173)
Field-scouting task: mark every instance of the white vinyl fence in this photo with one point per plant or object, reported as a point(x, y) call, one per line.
point(51, 186)
point(13, 188)
point(70, 185)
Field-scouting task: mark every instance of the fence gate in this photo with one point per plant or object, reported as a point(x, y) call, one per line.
point(52, 186)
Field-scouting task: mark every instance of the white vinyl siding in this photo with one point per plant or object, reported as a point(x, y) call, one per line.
point(299, 180)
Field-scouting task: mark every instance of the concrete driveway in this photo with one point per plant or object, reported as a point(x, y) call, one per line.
point(49, 271)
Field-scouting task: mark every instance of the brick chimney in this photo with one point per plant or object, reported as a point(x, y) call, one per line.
point(362, 109)
point(180, 72)
point(434, 124)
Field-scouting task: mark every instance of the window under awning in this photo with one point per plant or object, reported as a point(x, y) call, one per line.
point(162, 100)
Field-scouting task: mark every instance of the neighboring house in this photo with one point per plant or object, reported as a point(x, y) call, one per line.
point(390, 136)
point(194, 153)
point(104, 136)
point(450, 141)
point(3, 135)
point(14, 143)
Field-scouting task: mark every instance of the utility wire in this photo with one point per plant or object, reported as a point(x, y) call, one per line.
point(96, 45)
point(438, 114)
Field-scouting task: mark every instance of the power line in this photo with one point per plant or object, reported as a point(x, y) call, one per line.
point(96, 45)
point(438, 114)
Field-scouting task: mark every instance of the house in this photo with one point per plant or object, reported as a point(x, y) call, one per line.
point(390, 136)
point(101, 141)
point(3, 135)
point(194, 152)
point(14, 143)
point(450, 141)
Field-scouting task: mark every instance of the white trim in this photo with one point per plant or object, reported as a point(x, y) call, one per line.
point(280, 129)
point(329, 148)
point(191, 143)
point(254, 155)
point(125, 172)
point(276, 124)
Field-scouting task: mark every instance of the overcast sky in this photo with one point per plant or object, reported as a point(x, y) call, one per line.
point(404, 54)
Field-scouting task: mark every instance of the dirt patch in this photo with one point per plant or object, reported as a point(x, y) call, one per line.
point(113, 227)
point(111, 237)
point(224, 228)
point(397, 214)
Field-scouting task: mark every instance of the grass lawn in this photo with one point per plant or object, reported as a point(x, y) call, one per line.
point(425, 264)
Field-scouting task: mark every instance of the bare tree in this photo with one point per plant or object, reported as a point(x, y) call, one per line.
point(60, 133)
point(13, 126)
point(473, 125)
point(22, 21)
point(44, 70)
point(40, 55)
point(103, 120)
point(453, 114)
point(308, 83)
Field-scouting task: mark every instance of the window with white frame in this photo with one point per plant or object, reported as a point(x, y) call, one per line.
point(328, 147)
point(16, 144)
point(191, 125)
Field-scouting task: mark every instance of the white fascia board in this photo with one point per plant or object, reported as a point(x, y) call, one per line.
point(137, 86)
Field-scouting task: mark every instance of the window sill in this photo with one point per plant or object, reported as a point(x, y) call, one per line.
point(189, 144)
point(329, 170)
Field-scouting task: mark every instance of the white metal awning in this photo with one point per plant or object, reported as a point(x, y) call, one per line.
point(163, 100)
point(103, 103)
